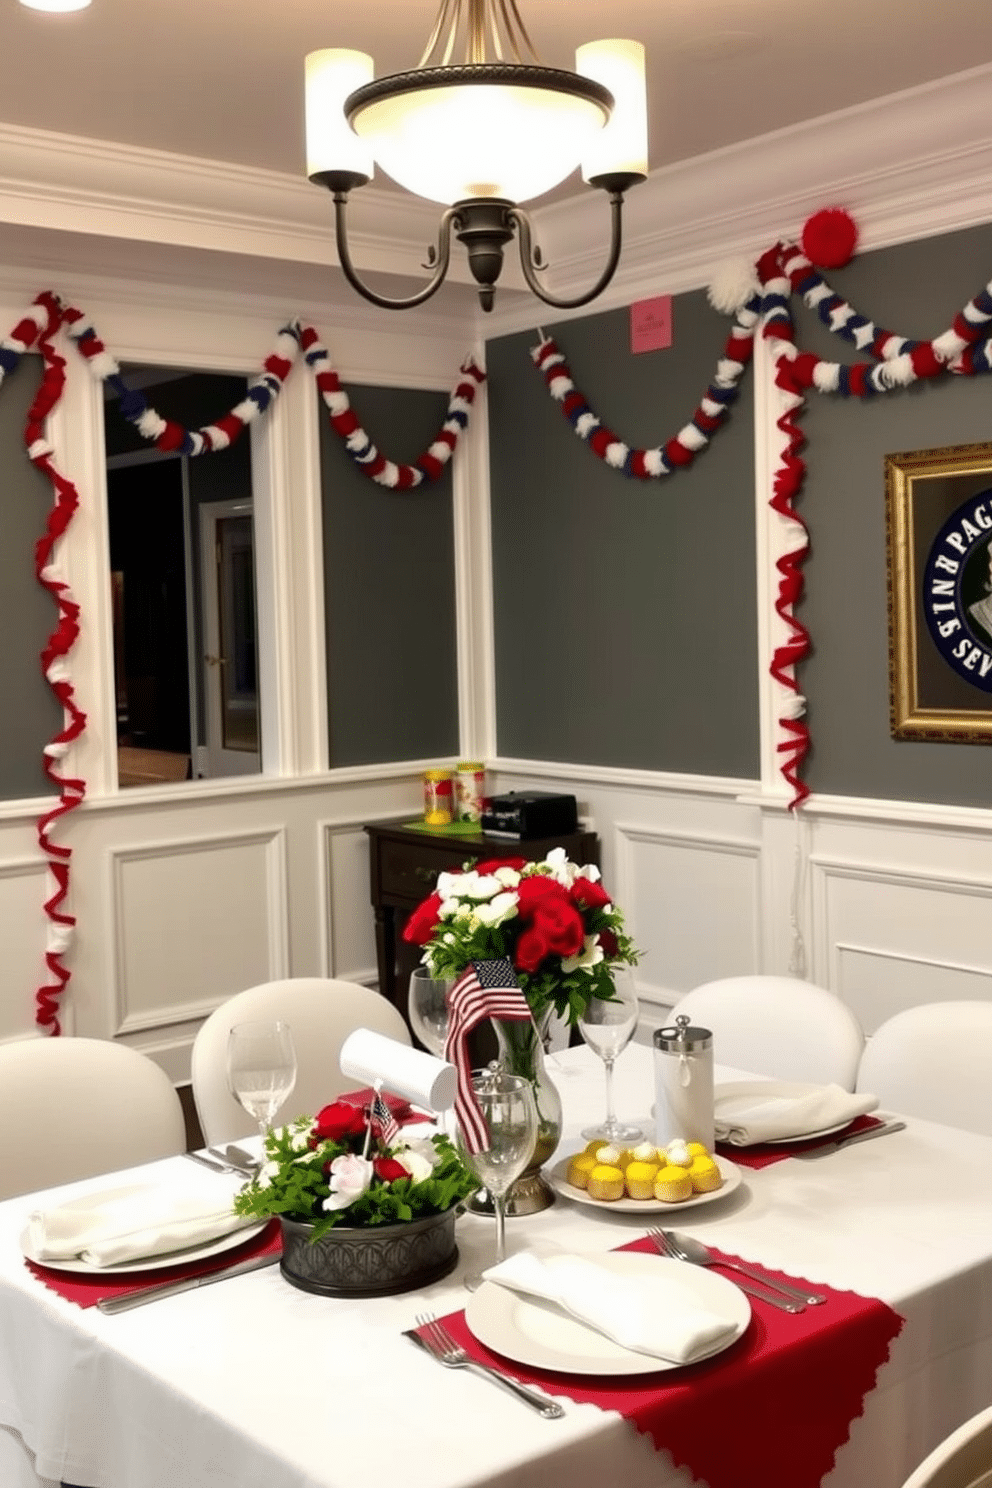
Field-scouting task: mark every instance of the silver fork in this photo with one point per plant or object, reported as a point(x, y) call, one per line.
point(441, 1346)
point(665, 1243)
point(695, 1251)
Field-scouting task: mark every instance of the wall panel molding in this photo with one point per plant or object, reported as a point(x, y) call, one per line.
point(177, 939)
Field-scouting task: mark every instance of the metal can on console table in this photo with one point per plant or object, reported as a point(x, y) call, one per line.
point(437, 798)
point(470, 791)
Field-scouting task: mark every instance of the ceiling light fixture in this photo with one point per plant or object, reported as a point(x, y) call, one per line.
point(55, 5)
point(479, 135)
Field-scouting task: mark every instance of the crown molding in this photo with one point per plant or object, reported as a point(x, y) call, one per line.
point(912, 164)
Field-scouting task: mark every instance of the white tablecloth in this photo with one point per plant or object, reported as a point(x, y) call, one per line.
point(253, 1384)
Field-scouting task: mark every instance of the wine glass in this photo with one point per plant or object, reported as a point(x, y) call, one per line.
point(607, 1027)
point(261, 1068)
point(428, 1009)
point(507, 1105)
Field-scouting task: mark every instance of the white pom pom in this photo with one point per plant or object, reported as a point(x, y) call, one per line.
point(899, 372)
point(733, 285)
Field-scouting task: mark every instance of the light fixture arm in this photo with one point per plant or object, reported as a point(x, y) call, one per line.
point(438, 257)
point(531, 259)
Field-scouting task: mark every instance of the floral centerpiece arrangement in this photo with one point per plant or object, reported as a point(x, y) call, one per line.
point(328, 1171)
point(553, 919)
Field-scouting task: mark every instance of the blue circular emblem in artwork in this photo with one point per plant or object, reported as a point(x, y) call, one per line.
point(957, 591)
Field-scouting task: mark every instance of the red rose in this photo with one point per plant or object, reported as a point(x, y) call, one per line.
point(589, 895)
point(608, 941)
point(423, 922)
point(337, 1121)
point(388, 1169)
point(489, 865)
point(552, 924)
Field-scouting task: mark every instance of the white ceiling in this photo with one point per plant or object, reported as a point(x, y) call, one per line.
point(222, 79)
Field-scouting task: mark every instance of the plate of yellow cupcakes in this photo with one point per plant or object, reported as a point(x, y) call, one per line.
point(645, 1179)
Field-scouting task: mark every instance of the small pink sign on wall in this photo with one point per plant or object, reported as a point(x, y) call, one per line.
point(651, 324)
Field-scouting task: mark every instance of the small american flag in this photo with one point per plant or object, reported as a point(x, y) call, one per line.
point(382, 1121)
point(486, 989)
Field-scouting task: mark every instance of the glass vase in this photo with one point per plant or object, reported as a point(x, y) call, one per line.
point(521, 1052)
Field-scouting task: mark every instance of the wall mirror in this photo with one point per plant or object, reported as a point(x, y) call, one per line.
point(182, 560)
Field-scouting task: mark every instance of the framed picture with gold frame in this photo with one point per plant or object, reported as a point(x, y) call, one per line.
point(939, 545)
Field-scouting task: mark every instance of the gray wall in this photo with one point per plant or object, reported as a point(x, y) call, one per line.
point(624, 610)
point(31, 716)
point(915, 290)
point(389, 590)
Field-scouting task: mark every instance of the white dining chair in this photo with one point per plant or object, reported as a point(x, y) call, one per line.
point(778, 1026)
point(963, 1460)
point(934, 1061)
point(75, 1107)
point(321, 1013)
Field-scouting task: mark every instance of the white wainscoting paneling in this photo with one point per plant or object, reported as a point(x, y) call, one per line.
point(196, 920)
point(351, 930)
point(692, 904)
point(889, 938)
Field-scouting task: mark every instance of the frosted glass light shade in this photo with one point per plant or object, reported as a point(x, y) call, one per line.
point(500, 139)
point(55, 5)
point(623, 145)
point(332, 145)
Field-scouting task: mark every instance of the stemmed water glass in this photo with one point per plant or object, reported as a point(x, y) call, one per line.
point(428, 1009)
point(507, 1105)
point(261, 1068)
point(607, 1026)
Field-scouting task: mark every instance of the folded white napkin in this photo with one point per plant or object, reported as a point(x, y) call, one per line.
point(768, 1111)
point(132, 1225)
point(654, 1315)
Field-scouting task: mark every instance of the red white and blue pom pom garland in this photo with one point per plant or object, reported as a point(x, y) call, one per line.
point(964, 349)
point(39, 324)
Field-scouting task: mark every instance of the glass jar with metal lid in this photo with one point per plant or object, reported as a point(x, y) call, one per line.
point(683, 1083)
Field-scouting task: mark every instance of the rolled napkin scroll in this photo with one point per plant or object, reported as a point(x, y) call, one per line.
point(657, 1315)
point(773, 1111)
point(424, 1080)
point(131, 1225)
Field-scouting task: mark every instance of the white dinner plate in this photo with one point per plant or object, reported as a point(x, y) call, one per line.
point(730, 1173)
point(534, 1332)
point(151, 1263)
point(724, 1095)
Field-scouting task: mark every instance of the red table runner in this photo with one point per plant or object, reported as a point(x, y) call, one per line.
point(86, 1290)
point(764, 1153)
point(769, 1412)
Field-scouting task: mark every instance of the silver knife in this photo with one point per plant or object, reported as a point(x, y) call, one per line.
point(186, 1284)
point(208, 1162)
point(861, 1136)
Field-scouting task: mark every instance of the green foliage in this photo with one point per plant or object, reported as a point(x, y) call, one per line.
point(294, 1183)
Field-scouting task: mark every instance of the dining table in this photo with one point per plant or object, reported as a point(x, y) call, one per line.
point(252, 1383)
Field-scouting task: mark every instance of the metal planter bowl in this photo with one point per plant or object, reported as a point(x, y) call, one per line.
point(375, 1262)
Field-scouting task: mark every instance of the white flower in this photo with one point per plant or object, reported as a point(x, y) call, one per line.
point(508, 877)
point(448, 909)
point(450, 885)
point(563, 871)
point(498, 910)
point(266, 1173)
point(588, 958)
point(350, 1176)
point(591, 872)
point(300, 1140)
point(416, 1162)
point(479, 886)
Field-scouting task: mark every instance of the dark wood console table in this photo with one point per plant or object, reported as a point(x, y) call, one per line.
point(404, 863)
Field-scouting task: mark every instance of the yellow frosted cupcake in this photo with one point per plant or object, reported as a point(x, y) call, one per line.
point(639, 1178)
point(579, 1168)
point(672, 1185)
point(705, 1175)
point(678, 1154)
point(606, 1183)
point(696, 1149)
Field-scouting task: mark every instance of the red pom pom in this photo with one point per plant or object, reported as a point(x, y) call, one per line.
point(830, 238)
